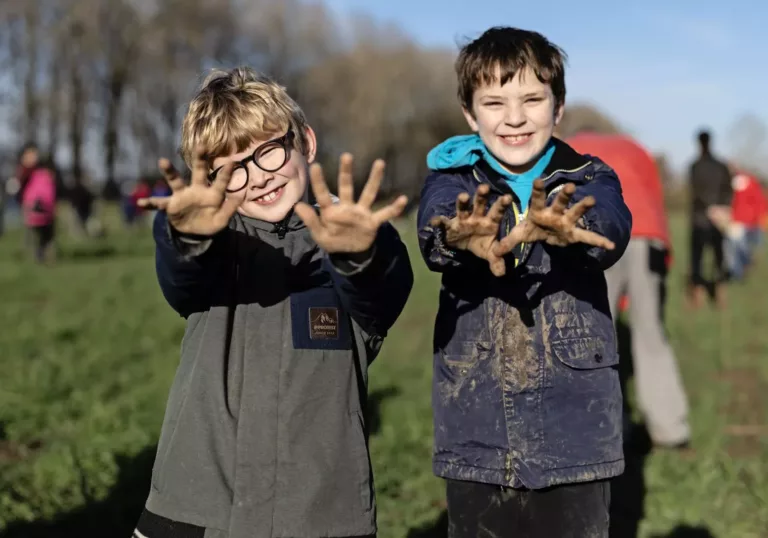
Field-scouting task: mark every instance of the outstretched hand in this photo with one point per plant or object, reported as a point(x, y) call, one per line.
point(197, 208)
point(556, 224)
point(347, 226)
point(476, 230)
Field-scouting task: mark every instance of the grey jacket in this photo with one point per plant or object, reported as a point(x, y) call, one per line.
point(264, 433)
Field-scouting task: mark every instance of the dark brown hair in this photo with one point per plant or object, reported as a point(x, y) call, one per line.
point(510, 50)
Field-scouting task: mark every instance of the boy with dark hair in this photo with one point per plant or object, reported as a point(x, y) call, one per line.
point(286, 305)
point(526, 396)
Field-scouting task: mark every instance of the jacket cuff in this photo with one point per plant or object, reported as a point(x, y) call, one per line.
point(348, 264)
point(188, 245)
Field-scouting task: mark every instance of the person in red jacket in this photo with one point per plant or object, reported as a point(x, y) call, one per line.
point(749, 209)
point(641, 275)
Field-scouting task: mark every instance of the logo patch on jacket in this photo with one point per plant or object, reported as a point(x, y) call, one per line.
point(324, 323)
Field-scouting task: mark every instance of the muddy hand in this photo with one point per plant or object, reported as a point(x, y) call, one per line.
point(347, 226)
point(474, 229)
point(556, 224)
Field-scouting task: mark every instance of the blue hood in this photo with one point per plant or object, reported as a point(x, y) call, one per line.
point(467, 150)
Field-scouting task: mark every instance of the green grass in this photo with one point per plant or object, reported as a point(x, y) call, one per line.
point(88, 350)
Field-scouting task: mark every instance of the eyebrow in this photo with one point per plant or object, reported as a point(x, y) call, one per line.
point(491, 96)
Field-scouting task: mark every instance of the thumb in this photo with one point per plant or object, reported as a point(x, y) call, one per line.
point(308, 215)
point(497, 264)
point(225, 213)
point(505, 246)
point(155, 202)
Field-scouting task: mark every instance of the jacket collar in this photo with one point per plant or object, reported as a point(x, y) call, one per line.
point(565, 160)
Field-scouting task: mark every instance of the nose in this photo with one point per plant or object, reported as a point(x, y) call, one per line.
point(258, 178)
point(514, 115)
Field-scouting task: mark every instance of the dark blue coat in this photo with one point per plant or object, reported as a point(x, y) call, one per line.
point(526, 388)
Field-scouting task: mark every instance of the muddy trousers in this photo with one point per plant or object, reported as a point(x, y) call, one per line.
point(487, 511)
point(641, 274)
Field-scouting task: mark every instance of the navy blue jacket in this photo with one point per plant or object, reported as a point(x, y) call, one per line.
point(526, 388)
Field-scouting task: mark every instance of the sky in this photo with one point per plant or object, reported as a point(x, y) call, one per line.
point(662, 69)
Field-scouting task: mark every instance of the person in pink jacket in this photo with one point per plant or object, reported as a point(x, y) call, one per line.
point(39, 210)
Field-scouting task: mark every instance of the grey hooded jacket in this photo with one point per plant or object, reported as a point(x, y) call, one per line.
point(264, 433)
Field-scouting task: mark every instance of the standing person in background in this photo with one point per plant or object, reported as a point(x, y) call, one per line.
point(641, 274)
point(749, 210)
point(710, 186)
point(28, 161)
point(38, 203)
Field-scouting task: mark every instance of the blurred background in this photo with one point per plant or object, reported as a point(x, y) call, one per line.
point(88, 347)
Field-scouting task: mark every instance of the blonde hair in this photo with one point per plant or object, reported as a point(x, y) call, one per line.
point(234, 108)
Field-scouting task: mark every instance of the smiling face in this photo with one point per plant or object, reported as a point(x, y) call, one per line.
point(515, 121)
point(270, 195)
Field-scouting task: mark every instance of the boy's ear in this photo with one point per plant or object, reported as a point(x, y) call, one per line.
point(311, 139)
point(470, 117)
point(559, 111)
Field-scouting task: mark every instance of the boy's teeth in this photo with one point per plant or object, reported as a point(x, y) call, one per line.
point(268, 197)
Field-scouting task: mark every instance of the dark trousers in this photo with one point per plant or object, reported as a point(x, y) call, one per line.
point(569, 511)
point(703, 237)
point(153, 526)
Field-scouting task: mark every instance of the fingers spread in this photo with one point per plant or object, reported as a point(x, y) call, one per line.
point(371, 189)
point(392, 211)
point(496, 213)
point(309, 216)
point(156, 202)
point(577, 210)
point(481, 200)
point(319, 187)
point(591, 238)
point(200, 167)
point(538, 197)
point(226, 212)
point(170, 174)
point(221, 181)
point(345, 183)
point(462, 206)
point(563, 198)
point(440, 222)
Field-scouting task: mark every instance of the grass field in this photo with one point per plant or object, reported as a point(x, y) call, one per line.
point(88, 349)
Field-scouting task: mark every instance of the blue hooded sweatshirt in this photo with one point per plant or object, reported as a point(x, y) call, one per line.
point(466, 150)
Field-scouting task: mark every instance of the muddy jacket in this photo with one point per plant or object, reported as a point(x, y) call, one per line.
point(526, 389)
point(264, 434)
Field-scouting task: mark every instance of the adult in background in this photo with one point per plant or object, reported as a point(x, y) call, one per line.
point(710, 187)
point(641, 274)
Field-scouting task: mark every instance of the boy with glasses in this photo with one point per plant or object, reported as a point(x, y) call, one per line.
point(286, 306)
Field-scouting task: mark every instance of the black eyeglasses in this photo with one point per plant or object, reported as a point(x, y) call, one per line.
point(270, 156)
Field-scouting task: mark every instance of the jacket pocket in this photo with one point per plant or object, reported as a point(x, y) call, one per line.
point(461, 358)
point(456, 367)
point(587, 353)
point(318, 320)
